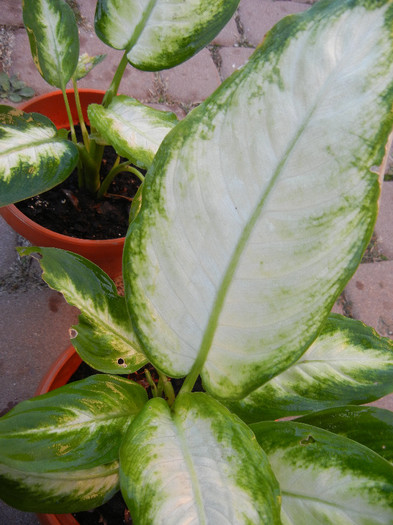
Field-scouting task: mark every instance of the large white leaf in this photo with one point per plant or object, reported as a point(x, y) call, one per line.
point(159, 34)
point(197, 464)
point(326, 479)
point(259, 204)
point(348, 363)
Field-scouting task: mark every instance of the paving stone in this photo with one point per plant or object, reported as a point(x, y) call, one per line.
point(34, 329)
point(370, 295)
point(232, 58)
point(23, 65)
point(258, 16)
point(11, 13)
point(8, 253)
point(229, 35)
point(10, 516)
point(384, 225)
point(192, 81)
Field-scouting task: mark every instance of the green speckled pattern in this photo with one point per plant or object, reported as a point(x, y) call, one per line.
point(59, 451)
point(260, 203)
point(348, 363)
point(326, 479)
point(197, 464)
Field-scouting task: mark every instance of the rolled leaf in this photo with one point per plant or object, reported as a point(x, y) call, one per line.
point(326, 478)
point(370, 426)
point(59, 451)
point(195, 464)
point(85, 64)
point(260, 203)
point(160, 34)
point(348, 363)
point(133, 129)
point(54, 39)
point(104, 337)
point(33, 156)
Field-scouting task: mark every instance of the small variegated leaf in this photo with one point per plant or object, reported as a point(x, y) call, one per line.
point(33, 156)
point(59, 451)
point(85, 64)
point(54, 39)
point(133, 129)
point(326, 479)
point(259, 204)
point(104, 337)
point(349, 363)
point(370, 426)
point(195, 464)
point(159, 34)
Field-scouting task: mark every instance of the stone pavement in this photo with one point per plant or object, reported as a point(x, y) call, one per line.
point(34, 320)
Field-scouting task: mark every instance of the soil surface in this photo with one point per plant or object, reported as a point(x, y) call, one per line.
point(68, 210)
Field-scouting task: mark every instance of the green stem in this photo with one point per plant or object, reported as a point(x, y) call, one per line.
point(69, 115)
point(151, 382)
point(114, 87)
point(118, 168)
point(168, 388)
point(85, 135)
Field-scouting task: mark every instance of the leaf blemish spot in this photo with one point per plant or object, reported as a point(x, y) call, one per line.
point(307, 441)
point(73, 333)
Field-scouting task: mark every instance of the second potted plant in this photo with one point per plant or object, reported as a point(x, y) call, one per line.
point(38, 155)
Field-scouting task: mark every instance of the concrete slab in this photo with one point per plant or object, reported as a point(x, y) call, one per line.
point(258, 16)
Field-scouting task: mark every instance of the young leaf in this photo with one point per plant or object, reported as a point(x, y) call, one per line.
point(370, 426)
point(33, 157)
point(104, 337)
point(195, 464)
point(54, 39)
point(133, 129)
point(326, 478)
point(85, 64)
point(348, 363)
point(259, 204)
point(52, 444)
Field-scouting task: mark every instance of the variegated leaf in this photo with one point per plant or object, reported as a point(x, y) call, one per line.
point(160, 34)
point(59, 451)
point(59, 492)
point(104, 337)
point(33, 157)
point(133, 129)
point(260, 203)
point(349, 363)
point(326, 479)
point(54, 39)
point(370, 426)
point(195, 464)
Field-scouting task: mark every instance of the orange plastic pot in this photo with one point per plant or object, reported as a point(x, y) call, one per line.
point(107, 254)
point(58, 375)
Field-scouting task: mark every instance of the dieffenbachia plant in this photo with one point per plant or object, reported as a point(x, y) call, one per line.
point(154, 35)
point(256, 211)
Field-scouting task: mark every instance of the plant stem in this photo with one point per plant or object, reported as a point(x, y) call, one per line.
point(168, 388)
point(117, 168)
point(70, 119)
point(85, 135)
point(151, 382)
point(113, 88)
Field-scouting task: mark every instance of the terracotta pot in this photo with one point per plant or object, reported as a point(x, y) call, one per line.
point(105, 253)
point(58, 375)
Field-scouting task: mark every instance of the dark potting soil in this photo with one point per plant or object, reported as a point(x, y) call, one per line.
point(70, 211)
point(115, 511)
